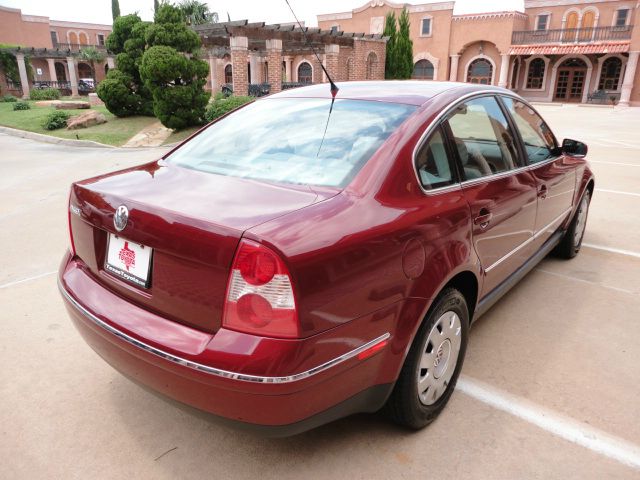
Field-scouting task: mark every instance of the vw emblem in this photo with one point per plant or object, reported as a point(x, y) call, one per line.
point(120, 218)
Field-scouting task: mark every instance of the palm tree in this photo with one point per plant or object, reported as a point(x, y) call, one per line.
point(93, 56)
point(197, 13)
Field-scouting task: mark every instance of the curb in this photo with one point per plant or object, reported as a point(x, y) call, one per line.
point(49, 139)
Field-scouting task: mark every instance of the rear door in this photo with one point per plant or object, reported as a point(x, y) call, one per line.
point(501, 193)
point(555, 176)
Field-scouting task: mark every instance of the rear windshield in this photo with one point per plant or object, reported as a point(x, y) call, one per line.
point(284, 140)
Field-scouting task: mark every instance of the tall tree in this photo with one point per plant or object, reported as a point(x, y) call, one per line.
point(404, 47)
point(391, 31)
point(115, 9)
point(196, 13)
point(93, 56)
point(156, 6)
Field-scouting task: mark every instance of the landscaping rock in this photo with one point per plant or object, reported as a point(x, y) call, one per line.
point(47, 103)
point(85, 120)
point(72, 105)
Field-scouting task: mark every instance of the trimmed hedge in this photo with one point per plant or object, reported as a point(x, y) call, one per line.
point(21, 106)
point(56, 119)
point(223, 105)
point(45, 94)
point(9, 98)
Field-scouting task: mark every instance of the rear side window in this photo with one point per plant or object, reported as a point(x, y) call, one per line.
point(432, 162)
point(483, 139)
point(294, 140)
point(538, 139)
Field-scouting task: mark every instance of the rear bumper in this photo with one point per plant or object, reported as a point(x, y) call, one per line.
point(244, 379)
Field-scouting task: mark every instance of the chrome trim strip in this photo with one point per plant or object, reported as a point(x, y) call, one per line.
point(527, 242)
point(435, 122)
point(216, 371)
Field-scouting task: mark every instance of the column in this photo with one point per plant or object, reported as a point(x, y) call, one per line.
point(274, 64)
point(627, 82)
point(110, 62)
point(331, 53)
point(213, 74)
point(453, 74)
point(239, 58)
point(287, 68)
point(24, 80)
point(71, 64)
point(253, 67)
point(504, 71)
point(52, 69)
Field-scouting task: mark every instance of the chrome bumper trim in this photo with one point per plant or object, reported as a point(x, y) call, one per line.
point(212, 370)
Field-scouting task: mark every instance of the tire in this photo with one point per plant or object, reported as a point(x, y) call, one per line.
point(408, 405)
point(571, 242)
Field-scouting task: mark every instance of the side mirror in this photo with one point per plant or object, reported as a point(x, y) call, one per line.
point(574, 148)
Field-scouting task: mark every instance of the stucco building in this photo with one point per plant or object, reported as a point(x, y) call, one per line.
point(243, 56)
point(556, 50)
point(52, 47)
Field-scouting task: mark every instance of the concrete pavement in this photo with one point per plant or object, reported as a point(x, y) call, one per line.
point(573, 360)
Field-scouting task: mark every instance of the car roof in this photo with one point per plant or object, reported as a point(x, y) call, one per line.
point(412, 92)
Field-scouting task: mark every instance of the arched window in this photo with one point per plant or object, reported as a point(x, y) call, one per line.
point(61, 72)
point(305, 73)
point(228, 74)
point(372, 63)
point(73, 38)
point(83, 39)
point(84, 70)
point(423, 69)
point(535, 77)
point(610, 75)
point(480, 71)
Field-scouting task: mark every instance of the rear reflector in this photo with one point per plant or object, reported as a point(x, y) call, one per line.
point(259, 294)
point(369, 352)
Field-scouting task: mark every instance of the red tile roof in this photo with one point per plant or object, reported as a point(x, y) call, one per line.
point(568, 49)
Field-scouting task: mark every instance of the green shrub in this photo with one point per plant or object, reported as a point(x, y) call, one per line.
point(224, 105)
point(45, 94)
point(21, 106)
point(9, 98)
point(56, 119)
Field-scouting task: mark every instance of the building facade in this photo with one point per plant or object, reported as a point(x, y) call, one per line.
point(554, 51)
point(52, 47)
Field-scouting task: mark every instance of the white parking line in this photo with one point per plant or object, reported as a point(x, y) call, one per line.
point(582, 280)
point(618, 192)
point(565, 427)
point(619, 251)
point(28, 279)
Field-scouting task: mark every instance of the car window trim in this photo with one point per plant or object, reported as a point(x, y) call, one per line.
point(441, 117)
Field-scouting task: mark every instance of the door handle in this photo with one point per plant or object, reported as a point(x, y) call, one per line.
point(542, 192)
point(483, 218)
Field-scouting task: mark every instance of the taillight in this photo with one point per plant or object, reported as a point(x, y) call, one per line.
point(259, 295)
point(72, 246)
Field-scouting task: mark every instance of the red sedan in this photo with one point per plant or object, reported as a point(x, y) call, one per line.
point(303, 259)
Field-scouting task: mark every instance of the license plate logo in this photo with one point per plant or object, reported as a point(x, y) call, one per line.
point(128, 260)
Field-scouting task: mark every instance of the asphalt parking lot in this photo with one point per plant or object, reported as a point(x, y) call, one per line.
point(550, 387)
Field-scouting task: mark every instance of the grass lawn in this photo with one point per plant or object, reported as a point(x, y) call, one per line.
point(115, 132)
point(179, 135)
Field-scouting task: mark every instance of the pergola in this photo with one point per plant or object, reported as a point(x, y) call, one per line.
point(50, 55)
point(258, 44)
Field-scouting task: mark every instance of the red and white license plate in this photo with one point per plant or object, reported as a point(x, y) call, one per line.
point(128, 260)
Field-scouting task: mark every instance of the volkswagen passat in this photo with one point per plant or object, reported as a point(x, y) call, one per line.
point(302, 259)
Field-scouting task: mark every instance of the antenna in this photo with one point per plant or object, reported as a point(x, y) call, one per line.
point(334, 87)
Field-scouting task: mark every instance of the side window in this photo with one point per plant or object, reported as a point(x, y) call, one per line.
point(432, 162)
point(483, 138)
point(538, 140)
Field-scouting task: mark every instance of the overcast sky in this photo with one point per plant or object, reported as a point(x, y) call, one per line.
point(270, 11)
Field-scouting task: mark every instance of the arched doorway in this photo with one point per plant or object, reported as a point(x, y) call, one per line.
point(305, 73)
point(423, 70)
point(570, 80)
point(372, 63)
point(480, 71)
point(82, 38)
point(228, 74)
point(84, 70)
point(570, 27)
point(61, 72)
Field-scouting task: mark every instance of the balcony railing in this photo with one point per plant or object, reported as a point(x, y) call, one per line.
point(76, 47)
point(571, 35)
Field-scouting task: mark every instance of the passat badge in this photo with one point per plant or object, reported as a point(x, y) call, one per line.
point(120, 218)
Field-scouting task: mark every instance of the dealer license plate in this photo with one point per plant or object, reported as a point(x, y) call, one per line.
point(128, 260)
